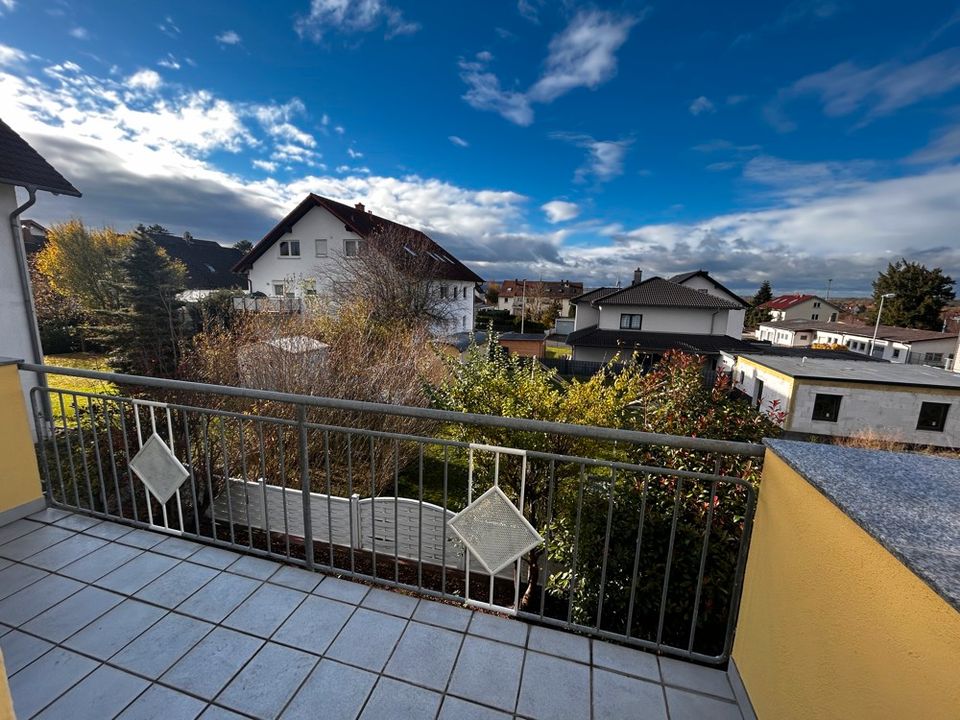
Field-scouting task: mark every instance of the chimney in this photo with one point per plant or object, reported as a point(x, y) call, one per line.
point(637, 276)
point(359, 207)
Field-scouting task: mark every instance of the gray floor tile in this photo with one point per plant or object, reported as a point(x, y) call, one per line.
point(268, 681)
point(137, 573)
point(160, 703)
point(20, 649)
point(18, 528)
point(34, 599)
point(213, 712)
point(108, 530)
point(77, 522)
point(176, 547)
point(177, 584)
point(102, 694)
point(214, 557)
point(49, 515)
point(16, 577)
point(265, 610)
point(219, 597)
point(554, 688)
point(394, 700)
point(114, 630)
point(100, 562)
point(626, 660)
point(340, 589)
point(617, 697)
point(425, 655)
point(212, 662)
point(339, 689)
point(67, 617)
point(560, 643)
point(457, 709)
point(30, 544)
point(254, 567)
point(296, 578)
point(156, 650)
point(488, 672)
point(694, 677)
point(448, 616)
point(691, 706)
point(4, 563)
point(143, 539)
point(45, 679)
point(368, 639)
point(494, 627)
point(314, 625)
point(390, 602)
point(66, 552)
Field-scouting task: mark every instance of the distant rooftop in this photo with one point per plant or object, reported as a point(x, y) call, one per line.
point(852, 371)
point(563, 289)
point(784, 302)
point(885, 332)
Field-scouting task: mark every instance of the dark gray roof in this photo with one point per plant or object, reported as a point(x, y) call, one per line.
point(683, 277)
point(522, 336)
point(208, 263)
point(884, 373)
point(590, 295)
point(658, 292)
point(885, 332)
point(21, 165)
point(764, 348)
point(657, 342)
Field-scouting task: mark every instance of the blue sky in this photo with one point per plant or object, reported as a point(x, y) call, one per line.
point(794, 141)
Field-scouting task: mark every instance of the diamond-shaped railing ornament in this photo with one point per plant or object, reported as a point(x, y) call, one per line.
point(159, 468)
point(494, 531)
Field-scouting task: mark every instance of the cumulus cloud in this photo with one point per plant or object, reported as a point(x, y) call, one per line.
point(169, 62)
point(458, 141)
point(229, 37)
point(10, 55)
point(583, 55)
point(265, 165)
point(604, 159)
point(352, 16)
point(702, 105)
point(145, 80)
point(560, 211)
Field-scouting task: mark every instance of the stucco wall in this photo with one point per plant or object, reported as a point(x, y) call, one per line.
point(586, 316)
point(776, 386)
point(806, 310)
point(832, 625)
point(318, 223)
point(20, 483)
point(672, 320)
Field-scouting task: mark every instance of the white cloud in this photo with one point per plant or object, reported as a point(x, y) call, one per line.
point(351, 16)
point(10, 55)
point(265, 165)
point(604, 159)
point(169, 62)
point(560, 210)
point(355, 154)
point(702, 105)
point(583, 55)
point(80, 33)
point(484, 56)
point(945, 147)
point(459, 141)
point(798, 181)
point(339, 130)
point(530, 9)
point(145, 80)
point(7, 5)
point(847, 89)
point(229, 37)
point(168, 27)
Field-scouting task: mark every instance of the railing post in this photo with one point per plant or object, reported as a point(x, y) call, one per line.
point(305, 486)
point(356, 535)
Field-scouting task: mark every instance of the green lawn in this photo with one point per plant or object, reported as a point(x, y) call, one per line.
point(559, 352)
point(85, 361)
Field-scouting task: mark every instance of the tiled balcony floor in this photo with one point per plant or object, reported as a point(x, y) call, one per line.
point(100, 621)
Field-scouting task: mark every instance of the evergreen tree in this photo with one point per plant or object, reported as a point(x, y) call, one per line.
point(145, 333)
point(919, 296)
point(756, 314)
point(243, 246)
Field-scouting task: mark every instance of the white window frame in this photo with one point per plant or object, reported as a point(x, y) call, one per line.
point(317, 246)
point(278, 284)
point(346, 243)
point(289, 247)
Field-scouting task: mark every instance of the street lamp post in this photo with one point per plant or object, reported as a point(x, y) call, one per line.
point(876, 327)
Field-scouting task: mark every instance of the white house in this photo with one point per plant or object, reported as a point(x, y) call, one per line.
point(801, 307)
point(895, 344)
point(653, 316)
point(299, 257)
point(536, 295)
point(20, 166)
point(908, 403)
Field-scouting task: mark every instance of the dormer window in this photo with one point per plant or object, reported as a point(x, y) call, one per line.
point(290, 248)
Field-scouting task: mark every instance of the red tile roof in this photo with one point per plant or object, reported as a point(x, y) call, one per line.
point(784, 302)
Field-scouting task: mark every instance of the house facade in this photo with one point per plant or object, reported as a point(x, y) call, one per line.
point(894, 344)
point(305, 253)
point(537, 295)
point(802, 307)
point(652, 317)
point(907, 403)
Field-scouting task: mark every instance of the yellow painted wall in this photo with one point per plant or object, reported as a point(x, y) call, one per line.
point(831, 624)
point(6, 702)
point(19, 476)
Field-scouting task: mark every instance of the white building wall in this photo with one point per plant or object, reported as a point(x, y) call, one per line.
point(735, 320)
point(775, 387)
point(886, 410)
point(586, 316)
point(271, 268)
point(672, 320)
point(812, 309)
point(15, 325)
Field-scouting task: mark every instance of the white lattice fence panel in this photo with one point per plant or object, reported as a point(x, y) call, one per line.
point(401, 527)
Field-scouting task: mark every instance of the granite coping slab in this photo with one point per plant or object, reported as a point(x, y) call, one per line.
point(908, 502)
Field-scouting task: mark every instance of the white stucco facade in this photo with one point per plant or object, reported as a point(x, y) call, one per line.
point(323, 248)
point(813, 308)
point(693, 321)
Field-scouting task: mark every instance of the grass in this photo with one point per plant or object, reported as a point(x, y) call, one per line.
point(559, 352)
point(83, 361)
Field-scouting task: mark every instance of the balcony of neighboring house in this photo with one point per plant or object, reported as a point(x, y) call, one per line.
point(180, 550)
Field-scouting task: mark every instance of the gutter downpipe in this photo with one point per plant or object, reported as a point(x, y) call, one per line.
point(27, 291)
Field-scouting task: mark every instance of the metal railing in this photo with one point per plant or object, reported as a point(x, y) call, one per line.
point(644, 535)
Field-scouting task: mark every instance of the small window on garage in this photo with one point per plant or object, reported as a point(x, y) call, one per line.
point(933, 416)
point(826, 407)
